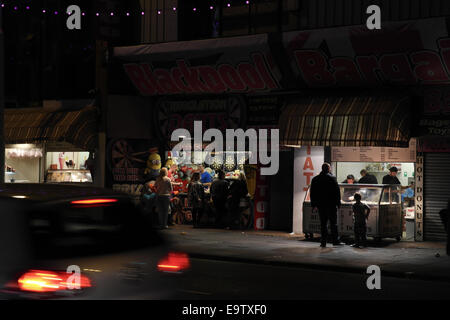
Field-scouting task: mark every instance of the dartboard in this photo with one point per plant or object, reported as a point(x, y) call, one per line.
point(123, 155)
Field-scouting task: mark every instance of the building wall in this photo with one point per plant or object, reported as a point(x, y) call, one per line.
point(286, 15)
point(159, 27)
point(328, 13)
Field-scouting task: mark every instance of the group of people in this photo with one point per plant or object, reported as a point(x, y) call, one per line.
point(225, 198)
point(367, 178)
point(326, 200)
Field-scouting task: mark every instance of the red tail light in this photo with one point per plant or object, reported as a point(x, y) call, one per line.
point(94, 201)
point(48, 281)
point(174, 262)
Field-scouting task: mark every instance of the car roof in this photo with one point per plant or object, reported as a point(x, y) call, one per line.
point(51, 192)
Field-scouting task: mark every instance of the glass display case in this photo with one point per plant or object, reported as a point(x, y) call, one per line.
point(385, 219)
point(69, 176)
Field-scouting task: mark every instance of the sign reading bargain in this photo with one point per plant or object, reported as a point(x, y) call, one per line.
point(404, 54)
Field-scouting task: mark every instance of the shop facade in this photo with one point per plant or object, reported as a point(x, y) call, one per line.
point(136, 155)
point(326, 90)
point(44, 146)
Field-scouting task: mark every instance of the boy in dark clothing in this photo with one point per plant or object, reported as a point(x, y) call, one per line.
point(361, 213)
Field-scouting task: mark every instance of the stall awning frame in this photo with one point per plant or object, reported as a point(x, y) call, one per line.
point(79, 128)
point(383, 121)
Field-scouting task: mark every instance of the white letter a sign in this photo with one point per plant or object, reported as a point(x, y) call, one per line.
point(74, 20)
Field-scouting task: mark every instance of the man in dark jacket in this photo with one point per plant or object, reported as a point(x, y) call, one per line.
point(367, 178)
point(445, 217)
point(219, 194)
point(326, 197)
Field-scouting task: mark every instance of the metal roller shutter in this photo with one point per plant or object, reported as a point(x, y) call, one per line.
point(436, 192)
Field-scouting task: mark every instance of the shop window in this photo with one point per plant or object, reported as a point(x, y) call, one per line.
point(22, 163)
point(69, 167)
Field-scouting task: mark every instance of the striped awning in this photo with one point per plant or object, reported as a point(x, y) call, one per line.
point(347, 121)
point(39, 125)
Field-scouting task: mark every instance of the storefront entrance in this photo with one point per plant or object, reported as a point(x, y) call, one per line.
point(378, 170)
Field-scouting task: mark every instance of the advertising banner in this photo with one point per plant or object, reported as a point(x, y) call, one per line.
point(307, 164)
point(401, 53)
point(235, 65)
point(409, 53)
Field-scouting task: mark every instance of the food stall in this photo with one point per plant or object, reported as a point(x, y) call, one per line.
point(385, 219)
point(68, 168)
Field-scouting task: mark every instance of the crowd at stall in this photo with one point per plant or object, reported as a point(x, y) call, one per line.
point(196, 195)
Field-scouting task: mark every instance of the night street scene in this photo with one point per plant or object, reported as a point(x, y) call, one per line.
point(225, 158)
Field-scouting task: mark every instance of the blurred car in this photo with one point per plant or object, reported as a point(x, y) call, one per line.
point(70, 242)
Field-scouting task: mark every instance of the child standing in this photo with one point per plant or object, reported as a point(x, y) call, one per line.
point(361, 213)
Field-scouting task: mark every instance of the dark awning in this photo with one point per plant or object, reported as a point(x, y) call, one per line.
point(39, 125)
point(347, 121)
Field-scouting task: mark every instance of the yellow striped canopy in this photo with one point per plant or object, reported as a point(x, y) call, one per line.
point(39, 125)
point(346, 121)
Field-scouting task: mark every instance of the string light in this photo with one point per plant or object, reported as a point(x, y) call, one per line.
point(127, 13)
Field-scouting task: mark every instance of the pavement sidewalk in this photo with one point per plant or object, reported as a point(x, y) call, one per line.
point(414, 260)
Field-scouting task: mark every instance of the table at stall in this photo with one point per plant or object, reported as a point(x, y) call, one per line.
point(385, 219)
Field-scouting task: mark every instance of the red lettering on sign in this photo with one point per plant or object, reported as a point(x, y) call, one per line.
point(231, 78)
point(165, 81)
point(397, 69)
point(191, 77)
point(346, 72)
point(251, 77)
point(148, 72)
point(263, 71)
point(429, 67)
point(177, 78)
point(139, 80)
point(308, 164)
point(369, 67)
point(212, 79)
point(309, 176)
point(313, 66)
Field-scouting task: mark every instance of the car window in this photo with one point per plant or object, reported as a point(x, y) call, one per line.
point(66, 230)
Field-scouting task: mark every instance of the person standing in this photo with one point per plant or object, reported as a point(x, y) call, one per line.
point(445, 217)
point(196, 197)
point(350, 179)
point(367, 178)
point(238, 190)
point(391, 178)
point(164, 190)
point(89, 164)
point(361, 213)
point(326, 198)
point(219, 195)
point(205, 178)
point(349, 192)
